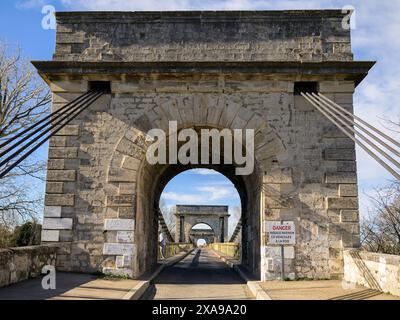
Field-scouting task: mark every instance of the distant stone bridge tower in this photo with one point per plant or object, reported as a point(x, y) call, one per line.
point(225, 70)
point(216, 217)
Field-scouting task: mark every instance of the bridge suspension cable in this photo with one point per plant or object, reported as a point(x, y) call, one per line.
point(29, 140)
point(362, 133)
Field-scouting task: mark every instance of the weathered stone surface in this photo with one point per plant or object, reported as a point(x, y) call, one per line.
point(50, 235)
point(54, 187)
point(118, 249)
point(121, 175)
point(340, 154)
point(19, 264)
point(342, 203)
point(61, 175)
point(247, 82)
point(341, 177)
point(120, 201)
point(380, 271)
point(131, 163)
point(298, 36)
point(123, 261)
point(57, 224)
point(125, 237)
point(279, 176)
point(348, 190)
point(52, 212)
point(67, 200)
point(119, 224)
point(69, 130)
point(63, 153)
point(349, 216)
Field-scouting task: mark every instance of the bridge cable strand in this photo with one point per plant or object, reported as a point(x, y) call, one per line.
point(333, 106)
point(350, 133)
point(46, 124)
point(396, 143)
point(337, 115)
point(56, 127)
point(65, 117)
point(235, 233)
point(164, 226)
point(22, 133)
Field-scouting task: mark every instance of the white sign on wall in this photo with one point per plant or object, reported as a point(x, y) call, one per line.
point(281, 233)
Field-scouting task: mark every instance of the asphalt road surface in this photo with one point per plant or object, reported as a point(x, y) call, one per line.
point(200, 276)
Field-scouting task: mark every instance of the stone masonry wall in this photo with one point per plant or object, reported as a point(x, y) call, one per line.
point(100, 190)
point(203, 36)
point(19, 264)
point(373, 270)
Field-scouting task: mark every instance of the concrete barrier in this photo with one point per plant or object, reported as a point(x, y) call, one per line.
point(19, 264)
point(373, 270)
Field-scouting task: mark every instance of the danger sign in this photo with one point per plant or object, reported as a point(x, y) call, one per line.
point(281, 233)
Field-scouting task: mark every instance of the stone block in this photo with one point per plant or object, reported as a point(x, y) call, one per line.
point(118, 249)
point(123, 261)
point(121, 201)
point(63, 153)
point(69, 86)
point(342, 203)
point(349, 216)
point(119, 225)
point(127, 188)
point(131, 163)
point(50, 235)
point(336, 86)
point(125, 236)
point(57, 224)
point(54, 187)
point(348, 190)
point(341, 178)
point(61, 175)
point(346, 166)
point(67, 200)
point(52, 212)
point(121, 175)
point(55, 164)
point(340, 154)
point(126, 212)
point(279, 176)
point(69, 130)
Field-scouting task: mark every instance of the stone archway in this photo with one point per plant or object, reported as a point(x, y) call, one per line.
point(187, 216)
point(101, 195)
point(206, 234)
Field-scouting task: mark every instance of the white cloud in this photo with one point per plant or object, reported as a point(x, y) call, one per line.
point(219, 192)
point(203, 172)
point(182, 198)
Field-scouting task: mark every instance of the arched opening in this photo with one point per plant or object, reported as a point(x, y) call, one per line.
point(201, 243)
point(248, 190)
point(204, 232)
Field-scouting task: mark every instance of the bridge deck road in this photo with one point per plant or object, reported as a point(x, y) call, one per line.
point(200, 276)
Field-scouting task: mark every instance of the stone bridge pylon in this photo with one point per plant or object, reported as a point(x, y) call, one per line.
point(187, 217)
point(223, 70)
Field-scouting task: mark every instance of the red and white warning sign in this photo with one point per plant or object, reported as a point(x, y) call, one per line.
point(281, 233)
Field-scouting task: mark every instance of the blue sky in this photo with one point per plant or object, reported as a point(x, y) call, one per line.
point(375, 37)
